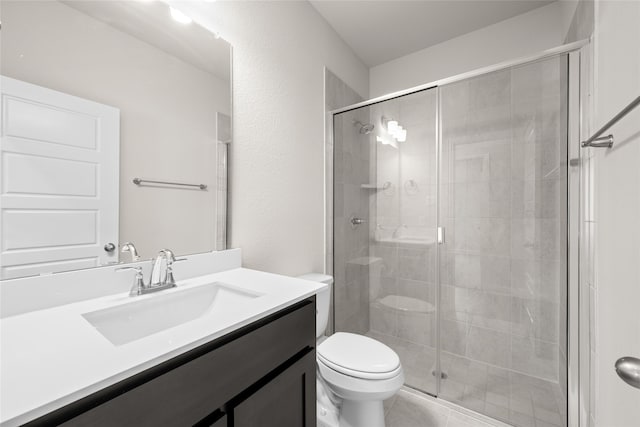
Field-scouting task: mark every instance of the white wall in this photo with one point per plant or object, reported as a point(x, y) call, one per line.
point(617, 200)
point(522, 35)
point(167, 115)
point(277, 170)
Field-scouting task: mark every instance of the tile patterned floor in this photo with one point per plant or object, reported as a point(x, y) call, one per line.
point(516, 399)
point(412, 409)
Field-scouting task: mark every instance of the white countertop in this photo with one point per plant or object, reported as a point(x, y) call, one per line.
point(50, 358)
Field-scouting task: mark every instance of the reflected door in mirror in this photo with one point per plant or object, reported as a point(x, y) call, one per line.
point(59, 201)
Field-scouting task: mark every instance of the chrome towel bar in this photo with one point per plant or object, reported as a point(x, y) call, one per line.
point(607, 141)
point(139, 181)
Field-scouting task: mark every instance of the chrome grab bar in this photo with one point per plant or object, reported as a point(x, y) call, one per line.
point(139, 181)
point(607, 141)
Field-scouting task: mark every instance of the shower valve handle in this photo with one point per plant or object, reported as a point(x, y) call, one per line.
point(357, 221)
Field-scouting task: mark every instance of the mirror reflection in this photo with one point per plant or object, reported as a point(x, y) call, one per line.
point(116, 120)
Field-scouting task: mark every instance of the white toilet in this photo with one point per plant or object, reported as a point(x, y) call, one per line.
point(355, 373)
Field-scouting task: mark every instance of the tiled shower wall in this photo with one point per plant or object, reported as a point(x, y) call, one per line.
point(348, 166)
point(405, 206)
point(503, 204)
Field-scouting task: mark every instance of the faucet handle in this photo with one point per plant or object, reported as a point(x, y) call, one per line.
point(168, 254)
point(170, 278)
point(138, 284)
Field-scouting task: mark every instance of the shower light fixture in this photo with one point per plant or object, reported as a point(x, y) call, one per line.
point(179, 16)
point(387, 141)
point(394, 129)
point(401, 135)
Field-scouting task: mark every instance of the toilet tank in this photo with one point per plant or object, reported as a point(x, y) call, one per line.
point(322, 300)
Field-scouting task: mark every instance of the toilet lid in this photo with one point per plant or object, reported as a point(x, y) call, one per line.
point(357, 355)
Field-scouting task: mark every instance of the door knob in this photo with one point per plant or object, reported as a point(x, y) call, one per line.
point(628, 368)
point(109, 247)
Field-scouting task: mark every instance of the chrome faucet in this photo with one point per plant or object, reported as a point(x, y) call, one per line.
point(131, 248)
point(161, 274)
point(162, 270)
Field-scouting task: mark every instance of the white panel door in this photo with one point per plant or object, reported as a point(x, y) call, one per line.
point(58, 181)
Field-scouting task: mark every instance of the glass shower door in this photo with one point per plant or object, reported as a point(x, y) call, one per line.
point(480, 319)
point(385, 265)
point(503, 265)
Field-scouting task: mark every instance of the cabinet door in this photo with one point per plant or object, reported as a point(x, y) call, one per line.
point(222, 422)
point(288, 400)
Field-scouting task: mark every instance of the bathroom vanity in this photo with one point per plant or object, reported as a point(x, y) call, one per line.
point(262, 374)
point(244, 355)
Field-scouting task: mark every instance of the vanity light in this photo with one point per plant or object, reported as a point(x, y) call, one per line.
point(179, 16)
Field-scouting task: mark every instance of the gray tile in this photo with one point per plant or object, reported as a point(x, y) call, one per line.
point(535, 318)
point(457, 371)
point(412, 411)
point(496, 411)
point(413, 264)
point(473, 398)
point(382, 319)
point(467, 269)
point(417, 327)
point(490, 310)
point(457, 419)
point(521, 420)
point(534, 357)
point(498, 399)
point(388, 404)
point(523, 406)
point(488, 346)
point(550, 417)
point(495, 274)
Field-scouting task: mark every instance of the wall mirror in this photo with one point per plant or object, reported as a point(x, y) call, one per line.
point(116, 120)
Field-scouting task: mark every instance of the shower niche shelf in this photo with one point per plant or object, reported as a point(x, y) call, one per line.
point(375, 186)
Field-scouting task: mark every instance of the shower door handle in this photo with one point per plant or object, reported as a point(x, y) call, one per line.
point(628, 369)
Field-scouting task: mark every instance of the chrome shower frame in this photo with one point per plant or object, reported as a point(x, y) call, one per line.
point(577, 314)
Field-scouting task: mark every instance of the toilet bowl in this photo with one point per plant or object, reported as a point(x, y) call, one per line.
point(355, 373)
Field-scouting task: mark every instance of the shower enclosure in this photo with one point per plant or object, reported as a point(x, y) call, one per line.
point(450, 231)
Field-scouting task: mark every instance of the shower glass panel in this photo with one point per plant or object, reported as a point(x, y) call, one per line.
point(481, 318)
point(503, 265)
point(385, 268)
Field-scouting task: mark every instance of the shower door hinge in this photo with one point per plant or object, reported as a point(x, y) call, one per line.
point(440, 235)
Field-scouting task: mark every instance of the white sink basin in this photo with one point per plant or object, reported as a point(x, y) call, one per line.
point(135, 320)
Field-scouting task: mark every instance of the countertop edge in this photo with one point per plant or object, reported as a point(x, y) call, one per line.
point(129, 372)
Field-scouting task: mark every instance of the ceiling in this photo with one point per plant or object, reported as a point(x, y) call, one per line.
point(151, 23)
point(382, 30)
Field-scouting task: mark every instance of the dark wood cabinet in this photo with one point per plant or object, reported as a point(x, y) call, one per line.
point(260, 375)
point(288, 400)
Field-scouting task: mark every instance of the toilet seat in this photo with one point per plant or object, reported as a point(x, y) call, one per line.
point(359, 357)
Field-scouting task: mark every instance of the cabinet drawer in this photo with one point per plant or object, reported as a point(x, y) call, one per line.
point(184, 390)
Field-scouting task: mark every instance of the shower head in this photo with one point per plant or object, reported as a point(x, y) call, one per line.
point(365, 128)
